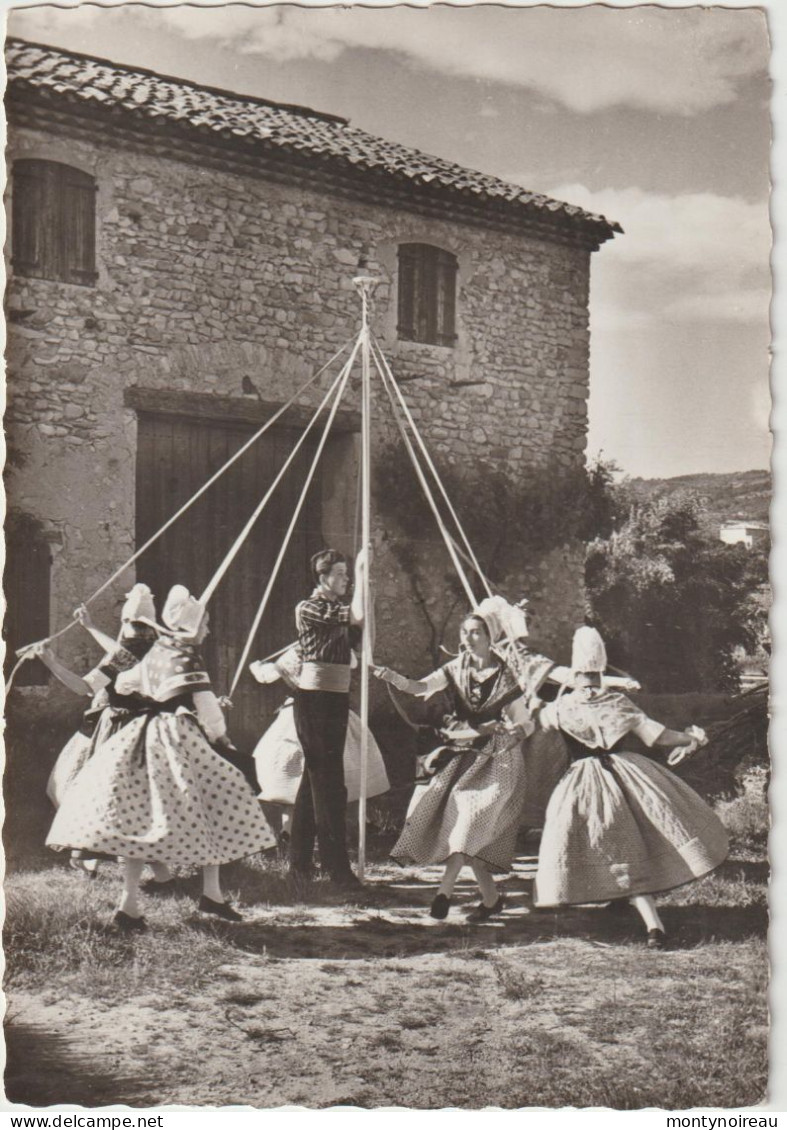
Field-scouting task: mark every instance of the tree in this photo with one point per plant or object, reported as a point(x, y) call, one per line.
point(673, 602)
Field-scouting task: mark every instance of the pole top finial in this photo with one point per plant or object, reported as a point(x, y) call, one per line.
point(364, 281)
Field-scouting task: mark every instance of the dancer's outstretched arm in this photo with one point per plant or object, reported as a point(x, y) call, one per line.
point(401, 682)
point(101, 638)
point(674, 737)
point(562, 675)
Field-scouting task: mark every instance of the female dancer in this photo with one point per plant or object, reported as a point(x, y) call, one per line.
point(108, 710)
point(619, 825)
point(469, 811)
point(278, 755)
point(158, 789)
point(546, 757)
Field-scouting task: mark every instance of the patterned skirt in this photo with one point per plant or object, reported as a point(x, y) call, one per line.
point(70, 760)
point(156, 791)
point(472, 805)
point(78, 749)
point(279, 761)
point(636, 830)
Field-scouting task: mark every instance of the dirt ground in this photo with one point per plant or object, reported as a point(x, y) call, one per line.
point(334, 1005)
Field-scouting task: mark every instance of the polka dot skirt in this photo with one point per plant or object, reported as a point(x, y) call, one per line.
point(156, 791)
point(70, 760)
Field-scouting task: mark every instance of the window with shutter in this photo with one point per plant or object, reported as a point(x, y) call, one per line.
point(427, 294)
point(26, 583)
point(54, 222)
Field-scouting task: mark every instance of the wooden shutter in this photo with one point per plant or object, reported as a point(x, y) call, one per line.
point(51, 223)
point(446, 298)
point(54, 222)
point(427, 304)
point(407, 288)
point(427, 294)
point(28, 206)
point(78, 198)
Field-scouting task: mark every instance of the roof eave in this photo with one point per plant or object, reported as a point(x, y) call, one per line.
point(594, 231)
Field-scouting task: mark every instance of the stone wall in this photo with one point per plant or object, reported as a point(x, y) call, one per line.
point(206, 278)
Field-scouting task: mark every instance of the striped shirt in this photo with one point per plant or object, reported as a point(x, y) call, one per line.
point(325, 634)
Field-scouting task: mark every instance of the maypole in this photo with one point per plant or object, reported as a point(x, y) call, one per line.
point(365, 285)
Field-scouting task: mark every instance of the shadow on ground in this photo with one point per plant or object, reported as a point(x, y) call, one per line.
point(751, 871)
point(42, 1069)
point(401, 926)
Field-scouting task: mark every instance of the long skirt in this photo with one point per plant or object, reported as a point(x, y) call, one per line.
point(156, 791)
point(70, 760)
point(279, 760)
point(472, 805)
point(632, 829)
point(546, 760)
point(79, 749)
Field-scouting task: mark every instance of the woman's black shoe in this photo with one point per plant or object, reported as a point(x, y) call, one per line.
point(657, 940)
point(481, 912)
point(439, 907)
point(128, 924)
point(219, 909)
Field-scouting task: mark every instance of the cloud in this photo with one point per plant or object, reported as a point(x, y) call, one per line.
point(36, 23)
point(678, 61)
point(695, 257)
point(728, 305)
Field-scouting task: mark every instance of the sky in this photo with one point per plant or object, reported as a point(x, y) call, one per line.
point(656, 117)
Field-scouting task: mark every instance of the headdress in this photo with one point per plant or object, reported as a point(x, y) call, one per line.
point(505, 621)
point(138, 604)
point(588, 652)
point(182, 613)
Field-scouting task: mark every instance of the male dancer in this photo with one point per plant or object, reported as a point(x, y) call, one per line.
point(328, 629)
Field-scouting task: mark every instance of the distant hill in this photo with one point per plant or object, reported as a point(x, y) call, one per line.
point(739, 494)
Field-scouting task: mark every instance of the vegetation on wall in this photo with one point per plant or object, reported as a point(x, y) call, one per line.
point(507, 522)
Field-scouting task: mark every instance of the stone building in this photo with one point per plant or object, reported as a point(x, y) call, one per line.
point(180, 260)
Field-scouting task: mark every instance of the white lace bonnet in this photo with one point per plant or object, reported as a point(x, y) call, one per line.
point(182, 613)
point(588, 652)
point(505, 621)
point(139, 604)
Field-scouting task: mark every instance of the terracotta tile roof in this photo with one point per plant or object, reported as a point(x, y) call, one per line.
point(271, 126)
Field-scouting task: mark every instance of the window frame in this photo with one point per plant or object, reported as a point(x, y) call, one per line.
point(426, 300)
point(53, 222)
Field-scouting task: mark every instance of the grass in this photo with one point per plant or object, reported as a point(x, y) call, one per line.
point(321, 1005)
point(746, 816)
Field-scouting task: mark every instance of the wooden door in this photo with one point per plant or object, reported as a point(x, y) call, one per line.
point(175, 457)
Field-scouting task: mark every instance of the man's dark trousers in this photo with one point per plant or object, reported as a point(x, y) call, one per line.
point(321, 803)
